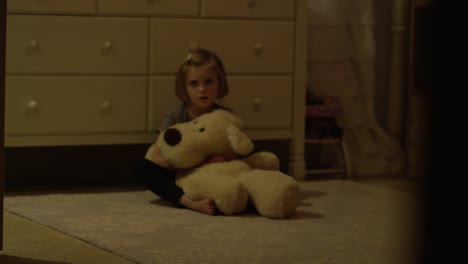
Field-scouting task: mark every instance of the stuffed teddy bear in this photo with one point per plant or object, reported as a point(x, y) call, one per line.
point(230, 184)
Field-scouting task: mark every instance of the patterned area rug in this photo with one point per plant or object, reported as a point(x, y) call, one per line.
point(337, 222)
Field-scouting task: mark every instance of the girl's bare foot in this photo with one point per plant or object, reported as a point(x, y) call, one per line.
point(206, 206)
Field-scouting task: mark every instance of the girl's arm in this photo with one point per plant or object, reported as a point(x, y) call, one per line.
point(154, 155)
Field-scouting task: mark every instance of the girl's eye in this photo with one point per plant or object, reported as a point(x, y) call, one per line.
point(209, 81)
point(193, 83)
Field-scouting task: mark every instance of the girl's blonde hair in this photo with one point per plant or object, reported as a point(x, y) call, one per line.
point(196, 58)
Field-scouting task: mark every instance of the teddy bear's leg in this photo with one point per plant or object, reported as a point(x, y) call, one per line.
point(228, 193)
point(273, 193)
point(263, 160)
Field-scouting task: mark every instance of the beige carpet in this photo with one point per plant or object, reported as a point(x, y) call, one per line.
point(338, 221)
point(26, 242)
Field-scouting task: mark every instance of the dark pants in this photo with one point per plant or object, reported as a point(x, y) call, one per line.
point(159, 180)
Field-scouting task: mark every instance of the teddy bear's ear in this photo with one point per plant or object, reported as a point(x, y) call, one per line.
point(238, 140)
point(234, 119)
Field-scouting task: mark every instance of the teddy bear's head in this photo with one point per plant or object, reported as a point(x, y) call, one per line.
point(185, 145)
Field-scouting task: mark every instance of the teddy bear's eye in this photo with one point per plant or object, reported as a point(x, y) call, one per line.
point(201, 129)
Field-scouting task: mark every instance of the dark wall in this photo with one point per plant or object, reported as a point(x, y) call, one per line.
point(2, 109)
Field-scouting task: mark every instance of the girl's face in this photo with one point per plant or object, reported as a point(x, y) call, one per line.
point(201, 84)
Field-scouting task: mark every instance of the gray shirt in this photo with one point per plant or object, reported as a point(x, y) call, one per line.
point(179, 114)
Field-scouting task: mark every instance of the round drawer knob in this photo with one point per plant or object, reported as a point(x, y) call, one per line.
point(105, 105)
point(258, 48)
point(107, 46)
point(256, 104)
point(193, 46)
point(251, 3)
point(32, 104)
point(32, 45)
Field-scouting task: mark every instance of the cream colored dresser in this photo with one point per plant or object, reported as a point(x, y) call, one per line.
point(94, 72)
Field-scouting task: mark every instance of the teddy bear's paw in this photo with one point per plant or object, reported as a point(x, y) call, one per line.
point(274, 194)
point(263, 160)
point(283, 205)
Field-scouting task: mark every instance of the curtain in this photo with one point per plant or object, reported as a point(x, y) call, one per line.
point(341, 63)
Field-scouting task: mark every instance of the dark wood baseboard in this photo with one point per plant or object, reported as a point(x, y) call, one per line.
point(39, 167)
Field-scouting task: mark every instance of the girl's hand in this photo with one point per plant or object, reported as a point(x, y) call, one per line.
point(215, 158)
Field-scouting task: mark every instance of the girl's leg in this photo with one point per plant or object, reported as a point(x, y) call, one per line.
point(158, 180)
point(162, 182)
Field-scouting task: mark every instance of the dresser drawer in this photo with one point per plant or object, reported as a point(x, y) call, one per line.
point(162, 98)
point(262, 101)
point(244, 46)
point(149, 7)
point(52, 6)
point(74, 105)
point(75, 45)
point(248, 8)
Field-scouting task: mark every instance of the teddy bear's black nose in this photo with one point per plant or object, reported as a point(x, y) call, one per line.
point(172, 136)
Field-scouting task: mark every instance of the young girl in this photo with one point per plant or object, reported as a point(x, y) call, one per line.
point(200, 81)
